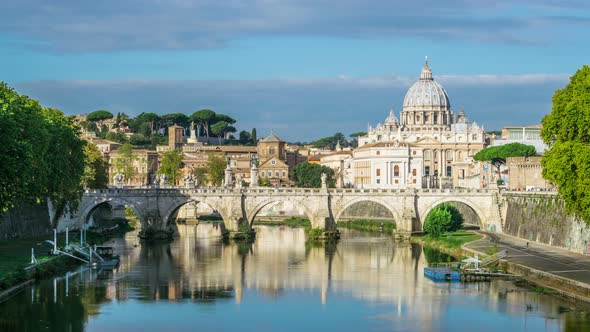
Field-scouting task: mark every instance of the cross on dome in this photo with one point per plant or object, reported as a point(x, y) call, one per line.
point(426, 72)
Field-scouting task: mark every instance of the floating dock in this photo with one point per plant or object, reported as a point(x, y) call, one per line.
point(441, 274)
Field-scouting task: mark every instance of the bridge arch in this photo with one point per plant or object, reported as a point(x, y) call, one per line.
point(467, 203)
point(259, 206)
point(87, 211)
point(179, 202)
point(394, 214)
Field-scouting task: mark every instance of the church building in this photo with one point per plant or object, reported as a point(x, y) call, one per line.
point(429, 146)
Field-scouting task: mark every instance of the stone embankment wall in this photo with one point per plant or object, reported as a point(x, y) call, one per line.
point(25, 221)
point(367, 210)
point(541, 217)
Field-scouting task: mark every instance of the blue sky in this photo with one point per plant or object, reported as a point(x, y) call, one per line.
point(306, 68)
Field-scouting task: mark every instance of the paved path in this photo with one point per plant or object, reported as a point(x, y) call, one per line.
point(556, 261)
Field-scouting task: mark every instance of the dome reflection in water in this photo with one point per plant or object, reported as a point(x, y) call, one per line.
point(279, 282)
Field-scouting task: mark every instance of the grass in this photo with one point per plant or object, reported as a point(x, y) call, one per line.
point(369, 226)
point(449, 243)
point(291, 222)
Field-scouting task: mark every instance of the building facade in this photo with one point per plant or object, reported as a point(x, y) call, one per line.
point(432, 146)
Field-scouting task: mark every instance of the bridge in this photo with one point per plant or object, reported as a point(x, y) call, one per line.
point(324, 207)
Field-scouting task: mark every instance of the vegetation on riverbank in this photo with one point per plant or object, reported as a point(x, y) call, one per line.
point(291, 222)
point(449, 243)
point(369, 225)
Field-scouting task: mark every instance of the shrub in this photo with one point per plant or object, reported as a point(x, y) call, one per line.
point(443, 218)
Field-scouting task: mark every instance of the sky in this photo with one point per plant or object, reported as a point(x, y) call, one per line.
point(304, 69)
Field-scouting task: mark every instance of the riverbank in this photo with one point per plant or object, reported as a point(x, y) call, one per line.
point(566, 272)
point(15, 257)
point(449, 243)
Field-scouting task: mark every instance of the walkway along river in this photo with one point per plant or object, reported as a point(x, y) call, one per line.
point(280, 282)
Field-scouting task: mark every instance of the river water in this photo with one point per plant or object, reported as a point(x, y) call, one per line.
point(279, 283)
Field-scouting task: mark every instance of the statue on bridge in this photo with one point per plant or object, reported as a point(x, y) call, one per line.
point(324, 179)
point(118, 180)
point(163, 180)
point(189, 180)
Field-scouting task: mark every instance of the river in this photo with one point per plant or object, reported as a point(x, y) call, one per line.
point(199, 282)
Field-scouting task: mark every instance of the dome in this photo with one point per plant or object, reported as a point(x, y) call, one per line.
point(427, 93)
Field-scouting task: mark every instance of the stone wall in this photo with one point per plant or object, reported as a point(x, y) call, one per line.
point(542, 218)
point(25, 221)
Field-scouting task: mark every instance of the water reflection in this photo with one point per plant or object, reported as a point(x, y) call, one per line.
point(278, 282)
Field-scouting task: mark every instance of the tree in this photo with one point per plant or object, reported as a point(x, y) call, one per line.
point(566, 164)
point(245, 137)
point(95, 168)
point(99, 116)
point(204, 118)
point(230, 130)
point(254, 138)
point(442, 219)
point(330, 142)
point(150, 122)
point(310, 175)
point(170, 165)
point(215, 170)
point(219, 129)
point(125, 161)
point(200, 175)
point(175, 119)
point(116, 137)
point(497, 155)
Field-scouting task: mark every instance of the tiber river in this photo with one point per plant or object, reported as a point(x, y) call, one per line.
point(367, 282)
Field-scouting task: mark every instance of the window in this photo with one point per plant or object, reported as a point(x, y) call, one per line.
point(271, 150)
point(414, 181)
point(277, 174)
point(396, 181)
point(262, 173)
point(396, 170)
point(378, 173)
point(427, 170)
point(413, 172)
point(474, 137)
point(427, 155)
point(449, 171)
point(462, 173)
point(378, 181)
point(460, 155)
point(273, 162)
point(413, 152)
point(449, 155)
point(284, 173)
point(378, 153)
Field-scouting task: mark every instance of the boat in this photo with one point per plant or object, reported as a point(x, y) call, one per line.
point(109, 261)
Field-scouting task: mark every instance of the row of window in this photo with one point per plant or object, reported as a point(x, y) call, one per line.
point(269, 173)
point(449, 171)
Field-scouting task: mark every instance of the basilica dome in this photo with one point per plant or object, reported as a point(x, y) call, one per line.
point(427, 94)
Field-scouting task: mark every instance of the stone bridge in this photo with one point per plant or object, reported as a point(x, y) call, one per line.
point(156, 207)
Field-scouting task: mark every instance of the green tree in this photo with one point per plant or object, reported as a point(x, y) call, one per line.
point(175, 119)
point(99, 116)
point(200, 175)
point(245, 137)
point(497, 155)
point(116, 137)
point(254, 138)
point(566, 164)
point(125, 161)
point(170, 165)
point(95, 168)
point(264, 182)
point(310, 175)
point(145, 123)
point(330, 142)
point(215, 170)
point(204, 118)
point(219, 129)
point(442, 219)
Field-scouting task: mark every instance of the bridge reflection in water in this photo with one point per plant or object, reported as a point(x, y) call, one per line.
point(381, 278)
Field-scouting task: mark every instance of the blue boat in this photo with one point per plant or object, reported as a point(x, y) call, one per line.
point(441, 274)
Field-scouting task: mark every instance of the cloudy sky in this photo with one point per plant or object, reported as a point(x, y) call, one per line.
point(305, 68)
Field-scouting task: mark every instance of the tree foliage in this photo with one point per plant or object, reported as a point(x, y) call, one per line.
point(310, 175)
point(215, 169)
point(204, 118)
point(330, 142)
point(99, 116)
point(566, 131)
point(442, 219)
point(41, 154)
point(501, 152)
point(125, 161)
point(95, 168)
point(254, 137)
point(245, 137)
point(219, 129)
point(170, 165)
